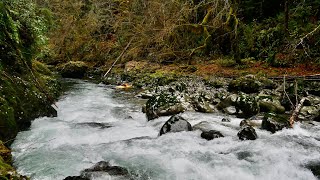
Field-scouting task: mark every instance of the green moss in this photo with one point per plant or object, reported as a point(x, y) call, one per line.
point(41, 68)
point(8, 125)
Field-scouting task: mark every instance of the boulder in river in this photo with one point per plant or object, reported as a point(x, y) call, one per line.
point(247, 133)
point(76, 178)
point(73, 69)
point(226, 119)
point(176, 123)
point(201, 105)
point(274, 122)
point(270, 104)
point(163, 104)
point(242, 105)
point(104, 166)
point(212, 134)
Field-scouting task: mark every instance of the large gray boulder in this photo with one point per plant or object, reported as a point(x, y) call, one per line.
point(176, 123)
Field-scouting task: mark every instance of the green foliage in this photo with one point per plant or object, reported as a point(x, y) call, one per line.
point(23, 30)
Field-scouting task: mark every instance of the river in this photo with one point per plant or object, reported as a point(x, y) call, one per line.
point(97, 123)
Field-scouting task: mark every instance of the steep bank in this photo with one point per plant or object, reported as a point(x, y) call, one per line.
point(27, 87)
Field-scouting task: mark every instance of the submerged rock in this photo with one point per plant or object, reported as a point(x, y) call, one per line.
point(99, 169)
point(202, 126)
point(226, 119)
point(95, 125)
point(76, 178)
point(176, 123)
point(247, 133)
point(104, 166)
point(212, 134)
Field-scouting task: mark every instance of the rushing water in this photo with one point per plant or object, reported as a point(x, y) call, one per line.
point(57, 147)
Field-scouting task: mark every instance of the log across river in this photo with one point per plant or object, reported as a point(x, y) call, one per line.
point(97, 123)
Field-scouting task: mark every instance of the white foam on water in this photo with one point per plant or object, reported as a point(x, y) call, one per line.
point(57, 147)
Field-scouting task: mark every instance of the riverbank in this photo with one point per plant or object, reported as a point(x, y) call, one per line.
point(25, 95)
point(99, 124)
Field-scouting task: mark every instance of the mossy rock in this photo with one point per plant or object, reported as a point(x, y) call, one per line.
point(7, 172)
point(270, 104)
point(41, 68)
point(275, 122)
point(250, 84)
point(245, 105)
point(163, 104)
point(247, 84)
point(309, 113)
point(73, 69)
point(8, 126)
point(201, 105)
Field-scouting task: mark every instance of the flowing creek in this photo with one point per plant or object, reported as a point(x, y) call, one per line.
point(97, 123)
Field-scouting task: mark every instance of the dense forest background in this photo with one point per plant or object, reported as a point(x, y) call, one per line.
point(280, 33)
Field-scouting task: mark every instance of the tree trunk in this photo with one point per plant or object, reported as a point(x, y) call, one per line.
point(286, 17)
point(295, 113)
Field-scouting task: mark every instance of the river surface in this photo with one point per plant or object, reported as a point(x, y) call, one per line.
point(97, 123)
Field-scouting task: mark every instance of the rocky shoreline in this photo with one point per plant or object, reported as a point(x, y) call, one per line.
point(262, 102)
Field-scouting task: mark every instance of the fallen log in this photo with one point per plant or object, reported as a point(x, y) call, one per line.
point(296, 111)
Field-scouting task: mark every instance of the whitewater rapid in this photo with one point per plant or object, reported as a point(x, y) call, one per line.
point(97, 123)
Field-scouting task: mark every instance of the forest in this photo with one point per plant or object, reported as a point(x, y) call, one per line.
point(152, 43)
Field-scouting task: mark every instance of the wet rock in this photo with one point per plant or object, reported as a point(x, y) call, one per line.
point(226, 119)
point(201, 105)
point(247, 133)
point(212, 134)
point(248, 105)
point(309, 113)
point(73, 69)
point(176, 123)
point(95, 125)
point(202, 126)
point(231, 110)
point(163, 104)
point(273, 122)
point(314, 167)
point(76, 178)
point(253, 123)
point(103, 167)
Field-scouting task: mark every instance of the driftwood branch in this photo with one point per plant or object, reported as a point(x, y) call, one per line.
point(119, 57)
point(296, 111)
